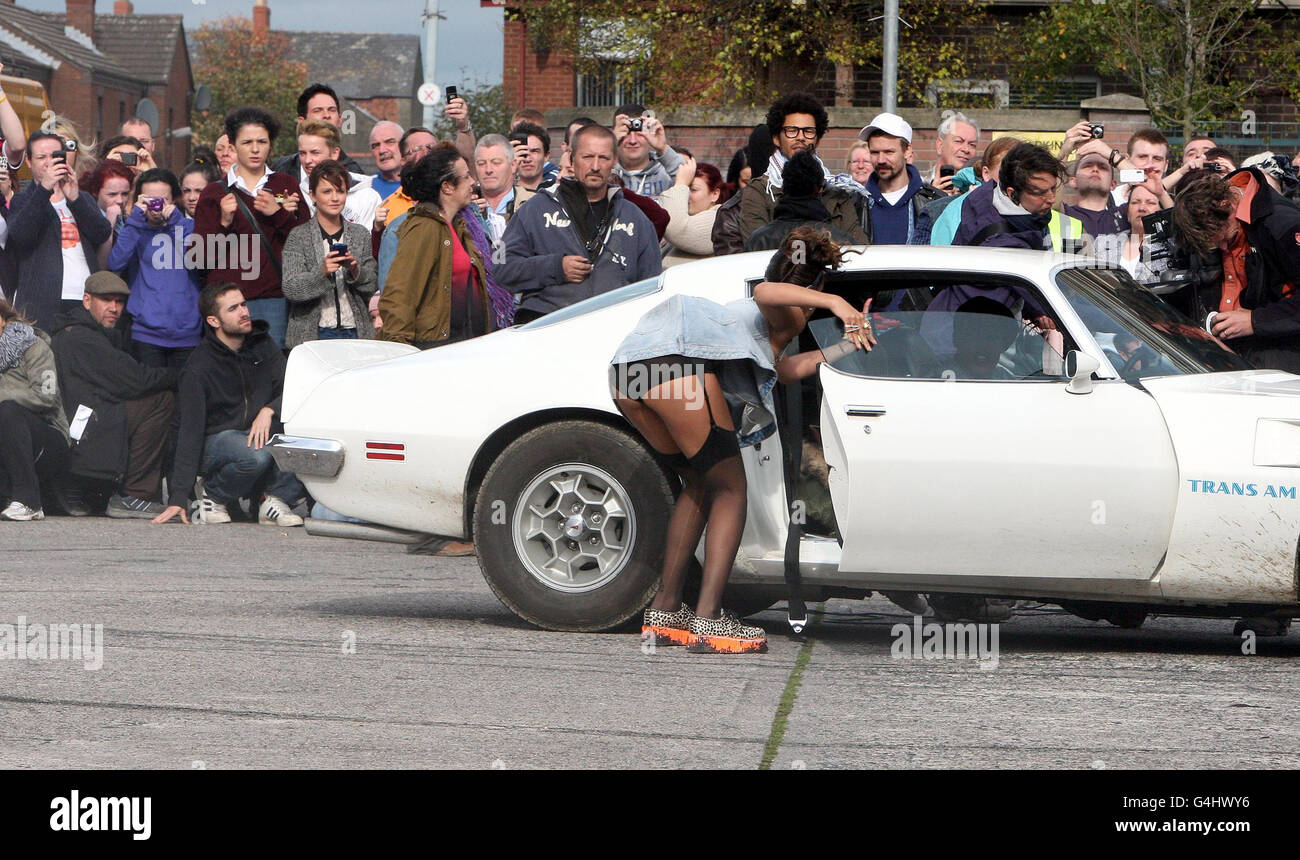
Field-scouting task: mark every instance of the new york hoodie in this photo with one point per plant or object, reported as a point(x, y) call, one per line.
point(542, 233)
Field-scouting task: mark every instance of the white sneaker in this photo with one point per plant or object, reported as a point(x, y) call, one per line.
point(208, 512)
point(21, 513)
point(274, 512)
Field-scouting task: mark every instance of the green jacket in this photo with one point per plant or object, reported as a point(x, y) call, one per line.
point(416, 302)
point(33, 383)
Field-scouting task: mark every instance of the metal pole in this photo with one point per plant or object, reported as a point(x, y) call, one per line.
point(889, 75)
point(429, 48)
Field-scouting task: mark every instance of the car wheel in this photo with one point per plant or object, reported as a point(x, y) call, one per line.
point(570, 526)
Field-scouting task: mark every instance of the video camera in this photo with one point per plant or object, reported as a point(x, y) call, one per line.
point(1174, 262)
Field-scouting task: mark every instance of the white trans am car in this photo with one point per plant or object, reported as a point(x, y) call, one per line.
point(1116, 460)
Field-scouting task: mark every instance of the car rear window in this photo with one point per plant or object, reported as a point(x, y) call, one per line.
point(598, 303)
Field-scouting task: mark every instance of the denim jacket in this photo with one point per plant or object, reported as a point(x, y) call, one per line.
point(735, 335)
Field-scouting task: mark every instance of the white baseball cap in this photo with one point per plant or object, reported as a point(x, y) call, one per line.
point(888, 123)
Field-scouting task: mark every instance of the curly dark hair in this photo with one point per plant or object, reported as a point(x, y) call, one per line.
point(804, 254)
point(422, 180)
point(797, 103)
point(240, 117)
point(1202, 209)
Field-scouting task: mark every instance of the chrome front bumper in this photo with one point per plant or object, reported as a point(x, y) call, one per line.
point(303, 455)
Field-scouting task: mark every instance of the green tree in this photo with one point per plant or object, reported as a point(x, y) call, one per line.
point(732, 51)
point(1190, 60)
point(242, 69)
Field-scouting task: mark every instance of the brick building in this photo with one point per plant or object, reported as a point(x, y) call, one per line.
point(546, 79)
point(97, 68)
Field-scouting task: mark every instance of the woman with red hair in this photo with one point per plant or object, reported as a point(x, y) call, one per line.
point(692, 204)
point(110, 184)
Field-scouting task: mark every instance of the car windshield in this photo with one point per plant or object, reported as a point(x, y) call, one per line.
point(597, 303)
point(1141, 333)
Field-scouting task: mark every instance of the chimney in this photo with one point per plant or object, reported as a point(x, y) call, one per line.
point(81, 14)
point(261, 19)
point(123, 7)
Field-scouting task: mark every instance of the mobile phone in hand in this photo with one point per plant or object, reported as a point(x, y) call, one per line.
point(451, 94)
point(340, 248)
point(1132, 176)
point(947, 170)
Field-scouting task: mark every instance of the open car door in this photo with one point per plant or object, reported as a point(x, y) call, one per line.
point(955, 449)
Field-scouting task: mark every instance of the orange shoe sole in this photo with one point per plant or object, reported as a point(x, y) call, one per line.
point(727, 645)
point(668, 635)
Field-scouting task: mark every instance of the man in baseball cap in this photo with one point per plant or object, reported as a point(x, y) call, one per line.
point(1093, 178)
point(119, 409)
point(895, 188)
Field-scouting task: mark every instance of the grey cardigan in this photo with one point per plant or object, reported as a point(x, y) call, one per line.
point(306, 287)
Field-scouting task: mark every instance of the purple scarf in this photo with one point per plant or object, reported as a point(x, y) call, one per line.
point(503, 301)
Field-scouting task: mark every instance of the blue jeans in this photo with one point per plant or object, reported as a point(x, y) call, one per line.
point(232, 470)
point(336, 333)
point(276, 314)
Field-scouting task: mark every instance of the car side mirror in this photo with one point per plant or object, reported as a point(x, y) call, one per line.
point(1079, 366)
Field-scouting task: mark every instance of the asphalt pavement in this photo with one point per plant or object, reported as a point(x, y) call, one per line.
point(247, 646)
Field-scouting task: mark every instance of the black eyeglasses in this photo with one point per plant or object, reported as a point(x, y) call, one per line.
point(793, 131)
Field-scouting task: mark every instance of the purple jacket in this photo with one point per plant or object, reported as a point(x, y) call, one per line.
point(164, 301)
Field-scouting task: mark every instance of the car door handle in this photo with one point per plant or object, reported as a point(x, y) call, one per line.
point(864, 411)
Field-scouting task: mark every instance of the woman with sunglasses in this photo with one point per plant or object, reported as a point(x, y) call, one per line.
point(695, 379)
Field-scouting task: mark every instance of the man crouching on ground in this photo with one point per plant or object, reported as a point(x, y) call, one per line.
point(229, 402)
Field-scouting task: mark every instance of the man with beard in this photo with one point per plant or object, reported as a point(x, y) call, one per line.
point(797, 123)
point(1093, 178)
point(895, 188)
point(229, 407)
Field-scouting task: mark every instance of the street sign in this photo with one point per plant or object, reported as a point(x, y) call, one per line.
point(429, 94)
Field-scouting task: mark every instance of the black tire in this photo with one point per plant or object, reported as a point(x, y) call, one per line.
point(517, 579)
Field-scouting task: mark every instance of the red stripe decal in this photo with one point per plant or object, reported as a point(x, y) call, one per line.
point(385, 446)
point(372, 455)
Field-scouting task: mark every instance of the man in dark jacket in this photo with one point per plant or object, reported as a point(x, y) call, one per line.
point(797, 123)
point(120, 409)
point(229, 406)
point(579, 238)
point(895, 188)
point(1255, 304)
point(801, 205)
point(1017, 212)
point(54, 232)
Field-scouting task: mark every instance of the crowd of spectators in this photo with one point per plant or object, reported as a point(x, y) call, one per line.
point(148, 308)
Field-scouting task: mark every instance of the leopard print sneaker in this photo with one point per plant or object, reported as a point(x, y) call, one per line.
point(726, 635)
point(669, 628)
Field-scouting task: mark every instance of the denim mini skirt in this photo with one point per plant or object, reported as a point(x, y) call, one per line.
point(731, 338)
